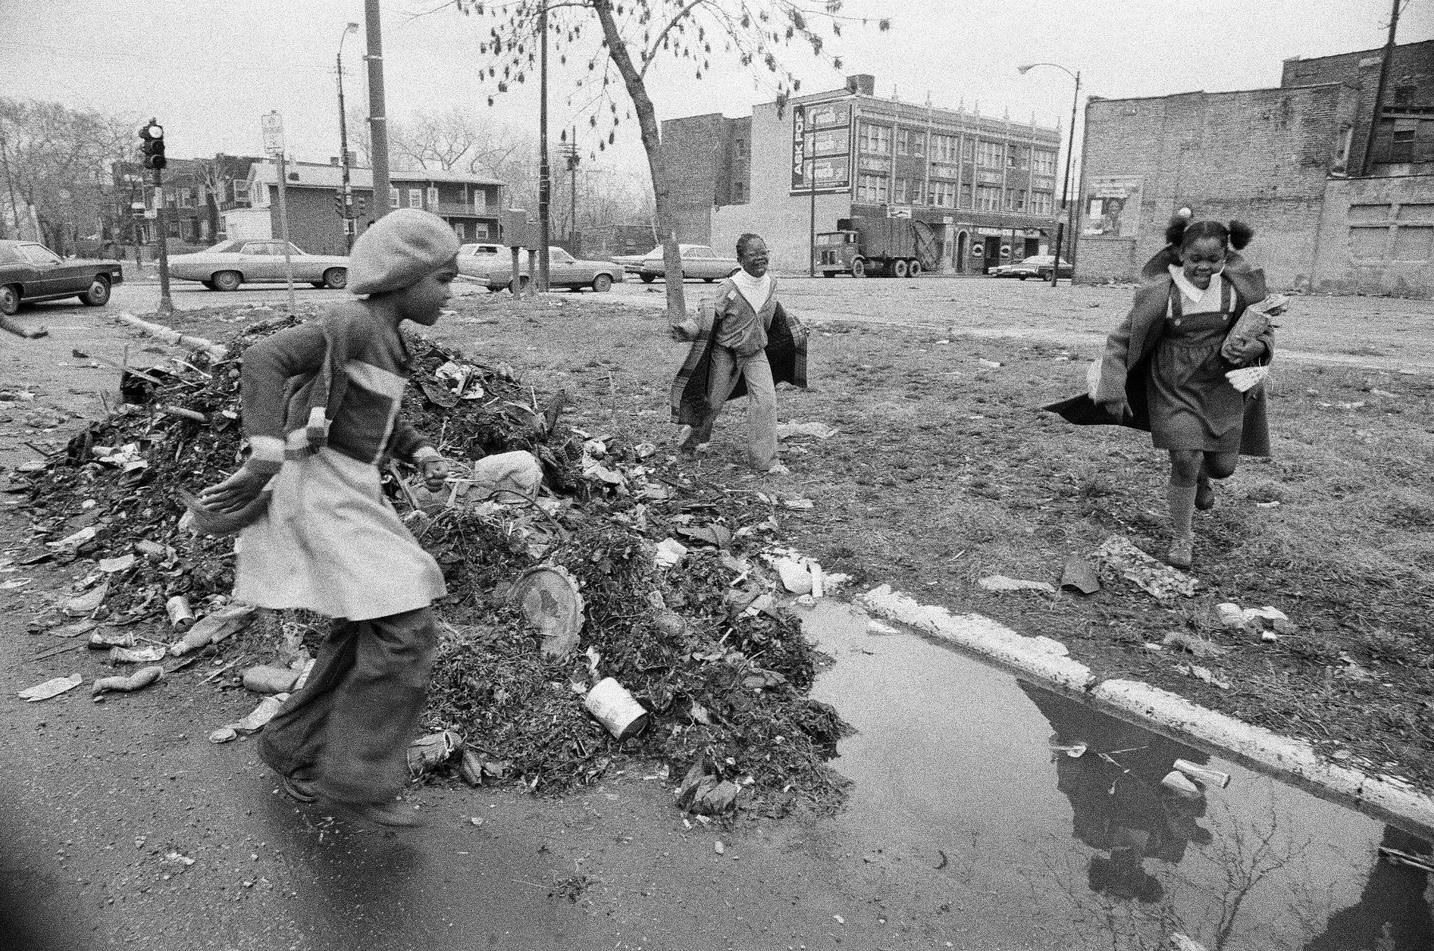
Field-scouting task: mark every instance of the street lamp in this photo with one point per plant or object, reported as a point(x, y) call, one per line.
point(1066, 182)
point(344, 143)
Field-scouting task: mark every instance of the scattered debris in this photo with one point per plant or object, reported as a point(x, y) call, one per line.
point(427, 753)
point(1119, 558)
point(271, 680)
point(1194, 644)
point(548, 597)
point(1204, 674)
point(51, 688)
point(1424, 863)
point(257, 719)
point(136, 681)
point(1269, 622)
point(1080, 574)
point(814, 430)
point(1178, 942)
point(1203, 774)
point(615, 708)
point(1003, 583)
point(136, 655)
point(1178, 783)
point(670, 553)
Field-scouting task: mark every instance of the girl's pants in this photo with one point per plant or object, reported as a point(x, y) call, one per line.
point(349, 728)
point(727, 367)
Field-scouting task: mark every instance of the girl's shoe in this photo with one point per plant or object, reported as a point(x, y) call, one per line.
point(1204, 495)
point(1182, 552)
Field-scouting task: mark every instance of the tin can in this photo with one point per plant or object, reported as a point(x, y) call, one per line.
point(181, 616)
point(615, 708)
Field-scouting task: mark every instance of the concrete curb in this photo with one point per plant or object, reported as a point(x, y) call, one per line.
point(1045, 659)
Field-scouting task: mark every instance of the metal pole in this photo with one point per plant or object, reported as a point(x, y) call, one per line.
point(377, 120)
point(544, 172)
point(284, 233)
point(1068, 223)
point(166, 305)
point(811, 171)
point(344, 155)
point(1384, 64)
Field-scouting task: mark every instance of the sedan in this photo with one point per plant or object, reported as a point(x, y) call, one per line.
point(698, 262)
point(1037, 265)
point(32, 272)
point(564, 270)
point(231, 263)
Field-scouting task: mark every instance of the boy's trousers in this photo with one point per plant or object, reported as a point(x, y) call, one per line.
point(726, 368)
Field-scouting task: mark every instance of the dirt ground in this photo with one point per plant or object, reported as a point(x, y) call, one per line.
point(944, 471)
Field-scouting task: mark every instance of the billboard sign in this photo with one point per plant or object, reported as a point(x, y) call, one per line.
point(821, 147)
point(1112, 206)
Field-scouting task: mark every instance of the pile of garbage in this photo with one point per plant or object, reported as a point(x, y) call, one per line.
point(605, 611)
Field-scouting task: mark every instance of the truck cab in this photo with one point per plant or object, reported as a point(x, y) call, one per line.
point(836, 250)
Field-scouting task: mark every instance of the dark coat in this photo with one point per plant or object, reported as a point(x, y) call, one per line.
point(787, 358)
point(1125, 365)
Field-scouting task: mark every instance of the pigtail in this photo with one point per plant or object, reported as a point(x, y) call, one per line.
point(1240, 234)
point(1175, 231)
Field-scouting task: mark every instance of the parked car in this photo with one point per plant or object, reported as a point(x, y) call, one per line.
point(698, 262)
point(1037, 265)
point(564, 270)
point(256, 261)
point(476, 260)
point(32, 272)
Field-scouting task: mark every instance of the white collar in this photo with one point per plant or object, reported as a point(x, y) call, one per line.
point(756, 289)
point(1189, 290)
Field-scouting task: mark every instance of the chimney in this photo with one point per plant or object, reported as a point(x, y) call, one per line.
point(863, 84)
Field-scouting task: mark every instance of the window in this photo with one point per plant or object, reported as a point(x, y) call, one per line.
point(918, 193)
point(39, 256)
point(943, 194)
point(945, 148)
point(988, 198)
point(458, 229)
point(901, 187)
point(1043, 162)
point(872, 188)
point(739, 192)
point(965, 196)
point(1020, 197)
point(910, 142)
point(739, 148)
point(432, 196)
point(990, 154)
point(393, 196)
point(874, 138)
point(480, 200)
point(1042, 203)
point(415, 198)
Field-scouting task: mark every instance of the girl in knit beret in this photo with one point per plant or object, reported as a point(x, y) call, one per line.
point(320, 410)
point(1164, 369)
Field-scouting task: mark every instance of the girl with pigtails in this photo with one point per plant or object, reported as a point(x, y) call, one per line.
point(1169, 367)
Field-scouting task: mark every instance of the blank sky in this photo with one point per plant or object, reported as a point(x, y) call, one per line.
point(208, 70)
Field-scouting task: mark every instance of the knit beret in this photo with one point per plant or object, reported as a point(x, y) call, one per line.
point(398, 250)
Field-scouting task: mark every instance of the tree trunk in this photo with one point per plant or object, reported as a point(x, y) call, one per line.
point(652, 143)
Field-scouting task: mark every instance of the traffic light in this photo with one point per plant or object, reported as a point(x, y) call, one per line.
point(339, 204)
point(360, 206)
point(152, 145)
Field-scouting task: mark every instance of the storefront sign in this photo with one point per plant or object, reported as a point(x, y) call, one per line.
point(1112, 207)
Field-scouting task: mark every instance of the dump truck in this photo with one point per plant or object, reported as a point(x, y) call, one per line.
point(870, 246)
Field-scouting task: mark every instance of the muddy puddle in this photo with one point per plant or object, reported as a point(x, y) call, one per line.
point(973, 770)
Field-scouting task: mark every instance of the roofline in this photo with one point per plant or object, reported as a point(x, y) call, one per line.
point(1366, 53)
point(1223, 92)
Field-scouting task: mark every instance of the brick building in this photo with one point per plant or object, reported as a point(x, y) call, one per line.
point(196, 194)
point(1281, 159)
point(985, 187)
point(470, 204)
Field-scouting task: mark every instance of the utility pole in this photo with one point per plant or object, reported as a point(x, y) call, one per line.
point(377, 120)
point(544, 172)
point(1384, 65)
point(348, 198)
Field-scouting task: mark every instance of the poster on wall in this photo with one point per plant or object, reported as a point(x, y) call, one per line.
point(821, 141)
point(1112, 206)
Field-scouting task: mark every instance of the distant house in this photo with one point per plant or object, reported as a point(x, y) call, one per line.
point(471, 204)
point(196, 193)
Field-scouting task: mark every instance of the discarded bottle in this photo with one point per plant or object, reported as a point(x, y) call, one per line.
point(265, 679)
point(181, 615)
point(1176, 782)
point(1203, 774)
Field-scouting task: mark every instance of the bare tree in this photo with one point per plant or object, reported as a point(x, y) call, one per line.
point(634, 34)
point(59, 163)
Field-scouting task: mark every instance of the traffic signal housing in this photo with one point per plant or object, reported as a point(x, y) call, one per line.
point(152, 145)
point(361, 206)
point(339, 204)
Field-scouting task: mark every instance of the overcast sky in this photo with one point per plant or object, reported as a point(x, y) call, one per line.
point(209, 70)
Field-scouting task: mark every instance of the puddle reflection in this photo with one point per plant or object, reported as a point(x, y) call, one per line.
point(950, 751)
